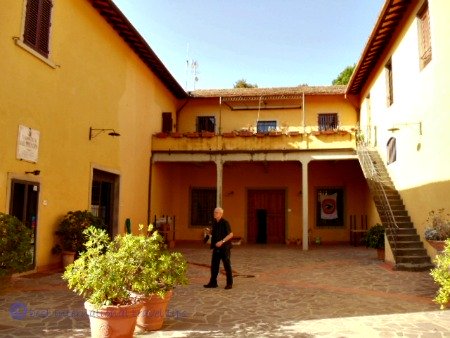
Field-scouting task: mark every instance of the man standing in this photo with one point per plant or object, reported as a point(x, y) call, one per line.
point(220, 244)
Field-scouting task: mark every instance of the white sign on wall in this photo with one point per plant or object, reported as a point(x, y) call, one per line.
point(28, 144)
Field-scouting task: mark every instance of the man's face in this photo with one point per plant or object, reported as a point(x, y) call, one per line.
point(217, 215)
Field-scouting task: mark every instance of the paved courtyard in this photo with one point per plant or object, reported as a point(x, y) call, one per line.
point(279, 291)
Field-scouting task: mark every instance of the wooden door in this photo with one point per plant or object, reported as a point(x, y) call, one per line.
point(266, 216)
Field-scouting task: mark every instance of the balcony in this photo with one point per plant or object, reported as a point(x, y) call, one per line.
point(247, 141)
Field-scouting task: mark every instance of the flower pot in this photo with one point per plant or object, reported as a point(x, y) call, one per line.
point(380, 254)
point(112, 321)
point(153, 312)
point(438, 245)
point(68, 257)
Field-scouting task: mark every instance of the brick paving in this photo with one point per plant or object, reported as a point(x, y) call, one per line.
point(279, 291)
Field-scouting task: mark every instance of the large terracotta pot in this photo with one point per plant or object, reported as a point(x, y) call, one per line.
point(153, 312)
point(112, 321)
point(438, 245)
point(68, 257)
point(381, 254)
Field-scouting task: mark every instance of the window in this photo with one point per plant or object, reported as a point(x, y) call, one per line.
point(206, 123)
point(389, 84)
point(37, 25)
point(423, 19)
point(166, 122)
point(266, 126)
point(203, 203)
point(328, 121)
point(330, 207)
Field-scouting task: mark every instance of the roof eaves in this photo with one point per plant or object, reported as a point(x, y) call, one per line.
point(390, 16)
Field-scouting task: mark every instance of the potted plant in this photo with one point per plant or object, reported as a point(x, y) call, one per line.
point(437, 228)
point(374, 238)
point(70, 232)
point(15, 247)
point(441, 276)
point(114, 277)
point(158, 272)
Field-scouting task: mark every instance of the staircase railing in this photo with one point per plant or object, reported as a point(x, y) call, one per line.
point(378, 191)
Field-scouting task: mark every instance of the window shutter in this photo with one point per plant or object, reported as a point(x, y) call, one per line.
point(37, 25)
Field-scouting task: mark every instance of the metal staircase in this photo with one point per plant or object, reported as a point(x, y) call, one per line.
point(407, 248)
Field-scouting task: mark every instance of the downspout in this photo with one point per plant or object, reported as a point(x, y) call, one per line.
point(150, 190)
point(303, 112)
point(220, 116)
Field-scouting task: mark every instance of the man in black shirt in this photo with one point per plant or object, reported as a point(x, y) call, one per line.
point(220, 244)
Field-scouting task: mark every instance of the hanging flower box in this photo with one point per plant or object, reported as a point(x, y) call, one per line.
point(294, 133)
point(275, 133)
point(176, 135)
point(161, 135)
point(208, 134)
point(245, 133)
point(316, 133)
point(192, 134)
point(260, 134)
point(229, 134)
point(328, 132)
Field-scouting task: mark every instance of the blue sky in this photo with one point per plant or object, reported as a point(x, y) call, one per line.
point(271, 43)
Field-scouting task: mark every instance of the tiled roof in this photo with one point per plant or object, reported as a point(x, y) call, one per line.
point(112, 14)
point(393, 12)
point(280, 92)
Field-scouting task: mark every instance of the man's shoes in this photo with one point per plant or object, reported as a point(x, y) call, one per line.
point(210, 286)
point(228, 287)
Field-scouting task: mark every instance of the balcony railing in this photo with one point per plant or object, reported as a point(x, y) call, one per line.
point(248, 141)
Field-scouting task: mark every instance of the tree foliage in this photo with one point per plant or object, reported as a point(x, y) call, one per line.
point(242, 83)
point(344, 77)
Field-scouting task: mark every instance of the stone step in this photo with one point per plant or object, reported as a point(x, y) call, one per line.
point(413, 259)
point(408, 244)
point(413, 266)
point(406, 238)
point(410, 252)
point(401, 231)
point(398, 219)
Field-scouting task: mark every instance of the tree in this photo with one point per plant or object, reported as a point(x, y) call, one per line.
point(344, 76)
point(242, 83)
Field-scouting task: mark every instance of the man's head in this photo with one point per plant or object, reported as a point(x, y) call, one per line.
point(218, 212)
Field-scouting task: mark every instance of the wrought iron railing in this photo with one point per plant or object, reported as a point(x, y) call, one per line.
point(378, 191)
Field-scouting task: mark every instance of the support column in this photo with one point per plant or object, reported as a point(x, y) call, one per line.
point(219, 181)
point(305, 202)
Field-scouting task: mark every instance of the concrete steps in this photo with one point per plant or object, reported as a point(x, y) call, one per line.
point(408, 250)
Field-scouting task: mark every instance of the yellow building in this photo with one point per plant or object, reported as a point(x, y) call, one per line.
point(401, 86)
point(69, 80)
point(91, 119)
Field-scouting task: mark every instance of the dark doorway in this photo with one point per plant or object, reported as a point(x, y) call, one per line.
point(261, 221)
point(266, 215)
point(104, 200)
point(24, 205)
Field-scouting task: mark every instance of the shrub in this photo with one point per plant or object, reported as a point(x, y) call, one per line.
point(375, 237)
point(441, 276)
point(15, 245)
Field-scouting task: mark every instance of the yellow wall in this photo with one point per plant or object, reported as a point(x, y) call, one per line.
point(421, 111)
point(288, 119)
point(98, 81)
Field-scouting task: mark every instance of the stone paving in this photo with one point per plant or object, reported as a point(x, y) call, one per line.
point(279, 291)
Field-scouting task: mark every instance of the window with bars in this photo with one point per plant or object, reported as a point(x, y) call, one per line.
point(37, 25)
point(328, 121)
point(266, 126)
point(203, 203)
point(206, 123)
point(423, 19)
point(389, 84)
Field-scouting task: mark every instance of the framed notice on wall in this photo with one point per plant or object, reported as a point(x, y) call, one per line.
point(27, 144)
point(330, 207)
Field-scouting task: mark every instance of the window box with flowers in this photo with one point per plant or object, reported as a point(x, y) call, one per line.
point(437, 228)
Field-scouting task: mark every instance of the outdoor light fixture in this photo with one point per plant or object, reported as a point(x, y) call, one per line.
point(34, 172)
point(93, 132)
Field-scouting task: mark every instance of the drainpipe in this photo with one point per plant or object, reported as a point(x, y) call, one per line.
point(149, 217)
point(220, 115)
point(303, 112)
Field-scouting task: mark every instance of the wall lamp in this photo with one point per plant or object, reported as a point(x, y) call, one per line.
point(34, 172)
point(397, 126)
point(93, 132)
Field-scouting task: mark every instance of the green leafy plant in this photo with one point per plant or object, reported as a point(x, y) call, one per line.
point(120, 271)
point(441, 276)
point(70, 230)
point(437, 225)
point(15, 245)
point(374, 237)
